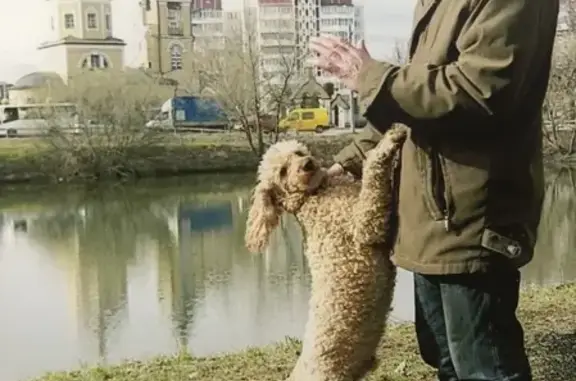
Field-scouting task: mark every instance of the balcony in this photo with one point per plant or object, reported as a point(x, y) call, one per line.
point(278, 43)
point(175, 31)
point(200, 15)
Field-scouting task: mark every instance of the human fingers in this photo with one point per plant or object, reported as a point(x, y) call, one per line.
point(326, 65)
point(335, 170)
point(339, 46)
point(362, 47)
point(328, 48)
point(336, 61)
point(325, 50)
point(327, 59)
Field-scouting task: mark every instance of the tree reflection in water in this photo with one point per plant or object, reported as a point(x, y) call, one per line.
point(188, 235)
point(555, 256)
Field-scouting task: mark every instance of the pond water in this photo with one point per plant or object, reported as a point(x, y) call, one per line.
point(117, 272)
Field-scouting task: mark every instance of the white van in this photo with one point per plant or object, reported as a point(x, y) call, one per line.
point(36, 119)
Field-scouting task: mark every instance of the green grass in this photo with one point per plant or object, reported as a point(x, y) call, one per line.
point(19, 146)
point(34, 145)
point(547, 314)
point(100, 159)
point(14, 148)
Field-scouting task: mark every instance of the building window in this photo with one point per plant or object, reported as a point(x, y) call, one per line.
point(95, 61)
point(69, 21)
point(91, 21)
point(108, 22)
point(176, 57)
point(175, 19)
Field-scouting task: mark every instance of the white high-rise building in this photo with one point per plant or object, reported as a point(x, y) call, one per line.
point(281, 29)
point(343, 19)
point(212, 24)
point(276, 39)
point(309, 18)
point(207, 23)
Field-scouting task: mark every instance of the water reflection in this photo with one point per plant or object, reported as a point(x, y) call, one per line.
point(134, 271)
point(555, 257)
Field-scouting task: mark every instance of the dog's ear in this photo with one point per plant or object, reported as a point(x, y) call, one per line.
point(263, 217)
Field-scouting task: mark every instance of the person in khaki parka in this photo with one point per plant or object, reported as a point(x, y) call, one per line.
point(471, 182)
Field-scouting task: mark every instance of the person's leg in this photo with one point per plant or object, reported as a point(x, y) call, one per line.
point(485, 338)
point(430, 327)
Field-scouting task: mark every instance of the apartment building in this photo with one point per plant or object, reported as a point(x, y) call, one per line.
point(276, 37)
point(280, 29)
point(169, 39)
point(208, 22)
point(341, 18)
point(286, 26)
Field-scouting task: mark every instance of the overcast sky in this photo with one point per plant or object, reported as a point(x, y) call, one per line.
point(386, 21)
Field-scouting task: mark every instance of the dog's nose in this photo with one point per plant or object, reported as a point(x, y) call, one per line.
point(309, 166)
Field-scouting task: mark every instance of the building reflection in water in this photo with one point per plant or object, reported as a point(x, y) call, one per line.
point(555, 256)
point(94, 246)
point(189, 245)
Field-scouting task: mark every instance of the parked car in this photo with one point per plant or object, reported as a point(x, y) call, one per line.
point(190, 112)
point(268, 123)
point(306, 119)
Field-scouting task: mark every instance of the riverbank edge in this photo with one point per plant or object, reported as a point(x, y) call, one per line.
point(546, 312)
point(208, 155)
point(211, 154)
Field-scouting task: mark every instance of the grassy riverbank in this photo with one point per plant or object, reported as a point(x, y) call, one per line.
point(41, 160)
point(547, 314)
point(87, 160)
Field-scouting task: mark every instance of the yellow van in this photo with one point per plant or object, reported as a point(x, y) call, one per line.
point(306, 119)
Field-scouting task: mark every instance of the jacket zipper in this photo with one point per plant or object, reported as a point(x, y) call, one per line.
point(439, 190)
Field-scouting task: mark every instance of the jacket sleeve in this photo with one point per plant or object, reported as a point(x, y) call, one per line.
point(352, 156)
point(484, 81)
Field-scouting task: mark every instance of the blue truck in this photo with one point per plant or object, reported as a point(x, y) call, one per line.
point(190, 113)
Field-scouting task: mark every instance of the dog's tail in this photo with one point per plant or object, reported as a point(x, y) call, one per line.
point(375, 215)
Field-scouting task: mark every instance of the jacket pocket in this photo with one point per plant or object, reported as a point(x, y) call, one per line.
point(466, 174)
point(440, 189)
point(435, 186)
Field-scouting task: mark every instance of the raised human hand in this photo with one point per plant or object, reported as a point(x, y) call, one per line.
point(340, 58)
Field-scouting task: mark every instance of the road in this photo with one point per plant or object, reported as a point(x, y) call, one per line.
point(338, 131)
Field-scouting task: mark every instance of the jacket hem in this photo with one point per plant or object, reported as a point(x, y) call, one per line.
point(449, 268)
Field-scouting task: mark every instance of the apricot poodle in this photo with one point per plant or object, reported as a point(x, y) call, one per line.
point(348, 228)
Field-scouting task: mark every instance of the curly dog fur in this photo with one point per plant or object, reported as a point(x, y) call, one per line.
point(348, 227)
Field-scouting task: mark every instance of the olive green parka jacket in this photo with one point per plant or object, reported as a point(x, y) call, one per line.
point(471, 178)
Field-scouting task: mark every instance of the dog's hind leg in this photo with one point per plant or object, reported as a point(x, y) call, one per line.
point(375, 202)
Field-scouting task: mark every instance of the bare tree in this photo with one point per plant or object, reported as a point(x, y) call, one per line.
point(567, 17)
point(238, 76)
point(277, 85)
point(559, 109)
point(111, 113)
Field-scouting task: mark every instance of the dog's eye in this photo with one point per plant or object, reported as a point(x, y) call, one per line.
point(283, 171)
point(299, 153)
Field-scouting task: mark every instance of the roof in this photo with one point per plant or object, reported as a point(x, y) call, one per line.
point(38, 79)
point(310, 87)
point(71, 40)
point(340, 101)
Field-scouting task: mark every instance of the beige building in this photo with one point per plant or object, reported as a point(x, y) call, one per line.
point(79, 38)
point(169, 41)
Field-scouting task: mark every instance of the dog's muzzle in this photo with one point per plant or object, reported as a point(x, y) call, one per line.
point(309, 166)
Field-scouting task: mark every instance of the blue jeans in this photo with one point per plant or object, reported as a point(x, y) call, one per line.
point(467, 328)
